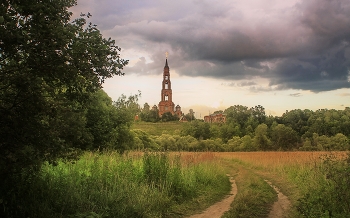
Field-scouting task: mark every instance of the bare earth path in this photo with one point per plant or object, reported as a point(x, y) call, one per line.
point(218, 209)
point(281, 206)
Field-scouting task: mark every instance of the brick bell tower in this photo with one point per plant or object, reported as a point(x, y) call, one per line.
point(166, 103)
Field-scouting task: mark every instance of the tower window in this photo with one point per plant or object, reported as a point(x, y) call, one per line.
point(166, 77)
point(166, 85)
point(166, 98)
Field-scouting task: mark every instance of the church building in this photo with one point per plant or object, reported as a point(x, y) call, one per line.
point(166, 103)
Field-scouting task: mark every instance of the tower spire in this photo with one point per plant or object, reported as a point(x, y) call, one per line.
point(166, 104)
point(166, 59)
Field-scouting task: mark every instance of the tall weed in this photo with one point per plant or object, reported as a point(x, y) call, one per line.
point(330, 194)
point(111, 185)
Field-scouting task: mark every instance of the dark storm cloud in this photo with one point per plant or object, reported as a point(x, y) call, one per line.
point(293, 44)
point(328, 70)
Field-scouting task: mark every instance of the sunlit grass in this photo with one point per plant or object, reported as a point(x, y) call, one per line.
point(159, 128)
point(313, 180)
point(133, 185)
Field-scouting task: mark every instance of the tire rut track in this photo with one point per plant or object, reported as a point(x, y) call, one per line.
point(281, 206)
point(218, 209)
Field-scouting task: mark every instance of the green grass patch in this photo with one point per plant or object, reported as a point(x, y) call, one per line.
point(317, 189)
point(157, 129)
point(254, 197)
point(111, 185)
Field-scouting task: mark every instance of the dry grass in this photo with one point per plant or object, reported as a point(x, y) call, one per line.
point(186, 158)
point(267, 160)
point(190, 158)
point(277, 159)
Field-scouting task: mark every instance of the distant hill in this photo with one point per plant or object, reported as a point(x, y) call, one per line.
point(159, 128)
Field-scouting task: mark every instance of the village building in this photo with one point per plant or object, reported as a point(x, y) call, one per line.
point(166, 103)
point(215, 118)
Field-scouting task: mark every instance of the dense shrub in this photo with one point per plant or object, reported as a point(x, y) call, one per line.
point(330, 196)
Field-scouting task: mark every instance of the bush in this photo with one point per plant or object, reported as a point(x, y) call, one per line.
point(331, 196)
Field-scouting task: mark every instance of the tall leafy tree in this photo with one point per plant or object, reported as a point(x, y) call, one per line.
point(167, 116)
point(196, 129)
point(258, 112)
point(284, 137)
point(261, 140)
point(48, 68)
point(238, 114)
point(107, 124)
point(149, 115)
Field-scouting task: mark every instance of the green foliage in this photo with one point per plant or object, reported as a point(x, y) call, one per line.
point(197, 129)
point(143, 141)
point(284, 137)
point(111, 185)
point(49, 67)
point(190, 115)
point(148, 115)
point(327, 122)
point(258, 112)
point(156, 167)
point(294, 130)
point(261, 140)
point(157, 129)
point(238, 114)
point(234, 144)
point(184, 143)
point(167, 142)
point(167, 116)
point(128, 105)
point(107, 124)
point(245, 143)
point(227, 131)
point(254, 198)
point(330, 196)
point(339, 142)
point(307, 146)
point(297, 120)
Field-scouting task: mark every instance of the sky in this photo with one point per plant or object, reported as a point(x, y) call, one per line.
point(283, 55)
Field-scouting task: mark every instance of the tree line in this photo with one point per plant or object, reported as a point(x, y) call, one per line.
point(295, 130)
point(250, 129)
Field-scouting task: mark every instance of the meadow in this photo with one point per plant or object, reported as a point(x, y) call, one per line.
point(157, 129)
point(131, 185)
point(317, 183)
point(179, 184)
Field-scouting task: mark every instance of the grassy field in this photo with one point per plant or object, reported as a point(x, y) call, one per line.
point(157, 129)
point(317, 183)
point(132, 185)
point(178, 184)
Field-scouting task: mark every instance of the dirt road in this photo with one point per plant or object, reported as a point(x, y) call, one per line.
point(218, 209)
point(281, 205)
point(279, 208)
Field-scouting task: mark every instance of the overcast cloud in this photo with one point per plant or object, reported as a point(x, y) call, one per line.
point(293, 44)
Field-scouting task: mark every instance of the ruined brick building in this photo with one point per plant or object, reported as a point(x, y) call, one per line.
point(215, 118)
point(166, 103)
